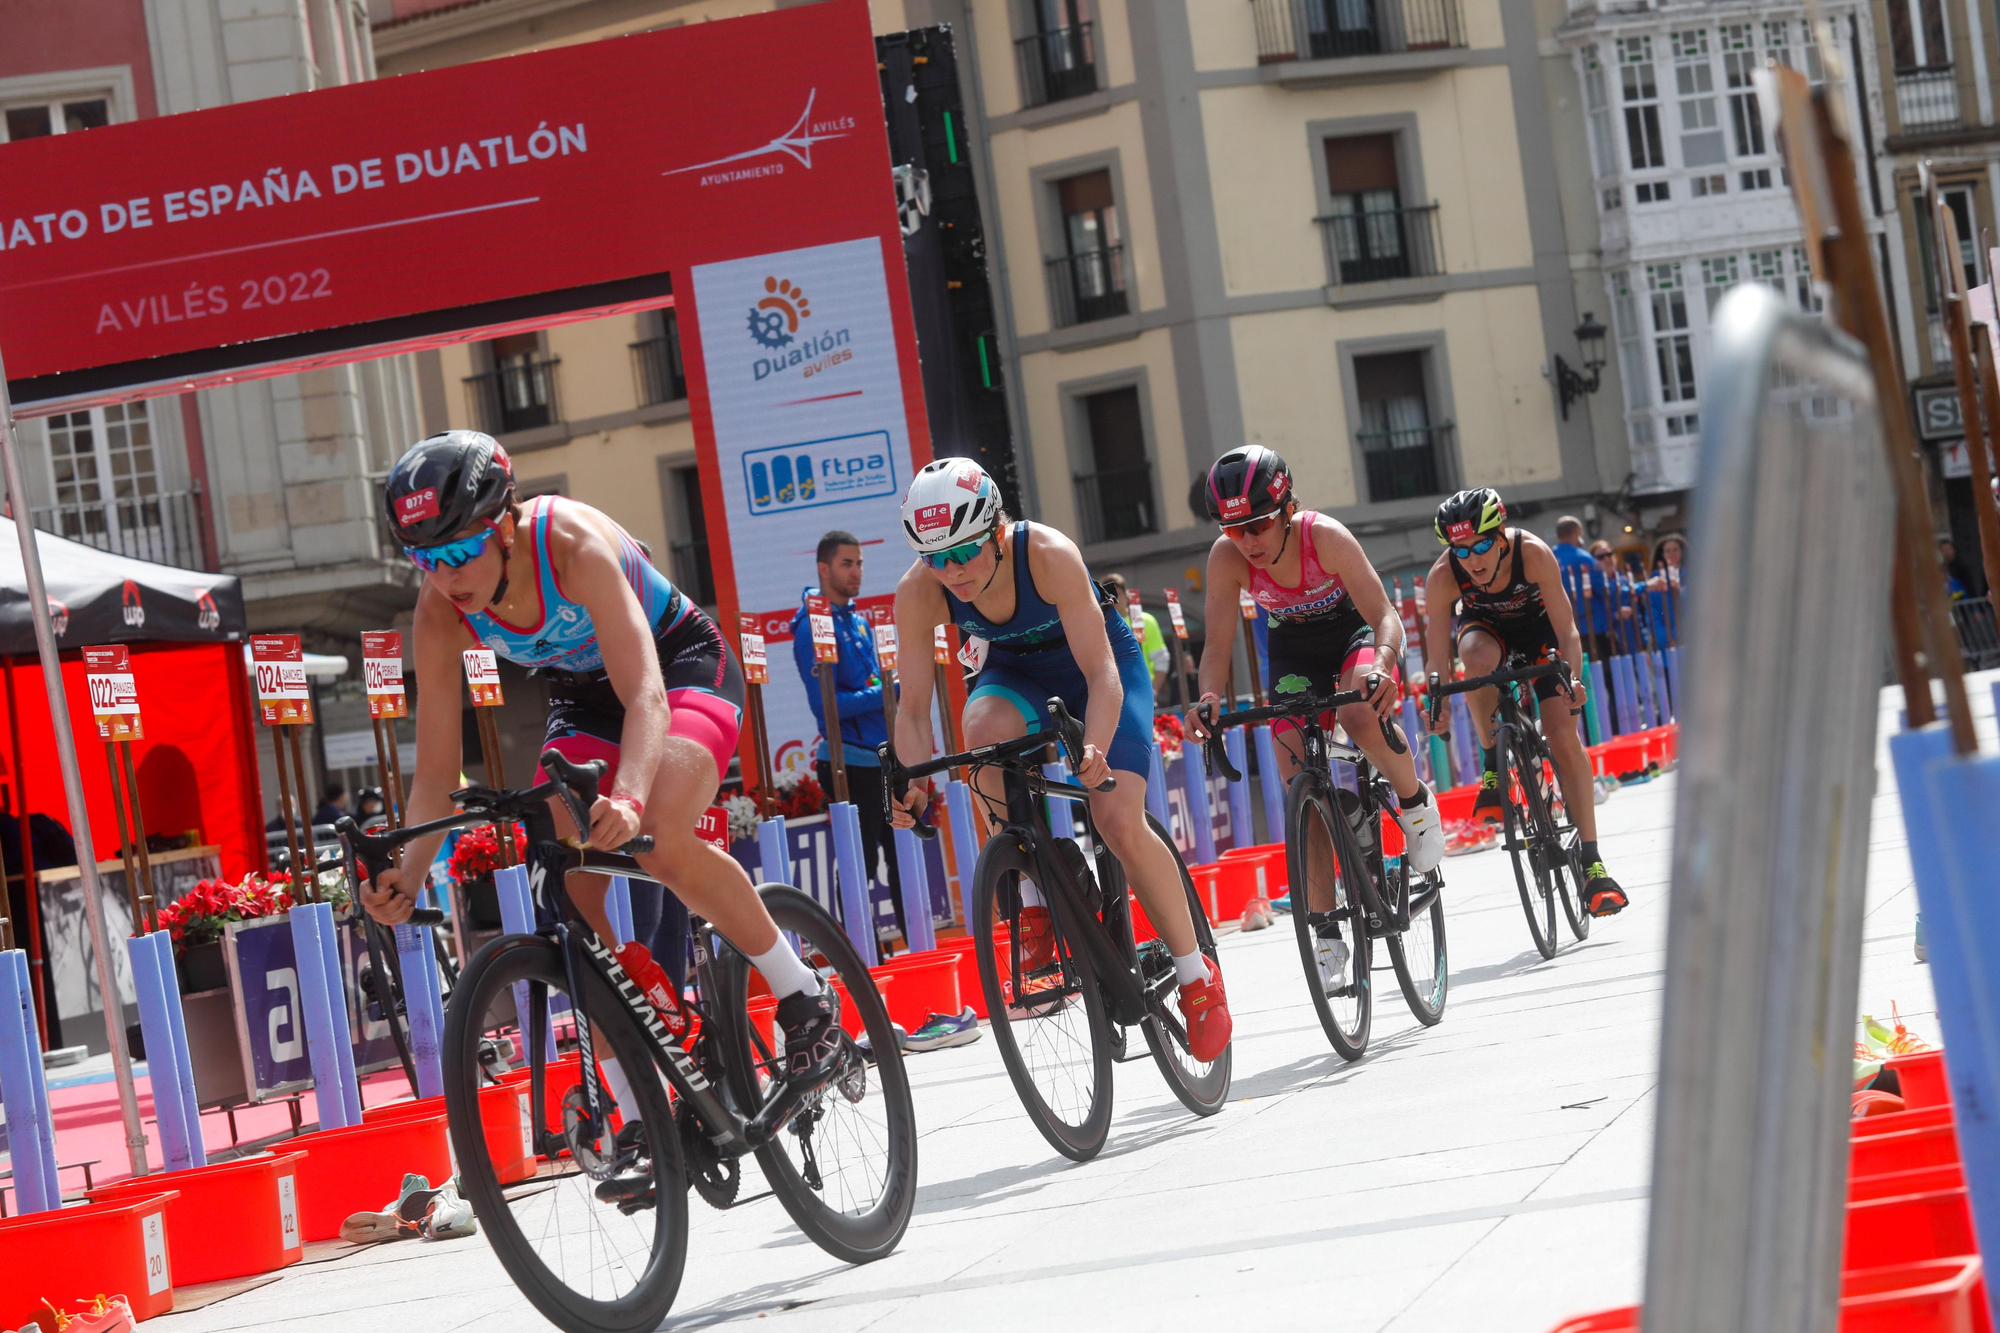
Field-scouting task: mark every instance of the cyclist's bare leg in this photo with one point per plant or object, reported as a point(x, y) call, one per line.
point(1290, 745)
point(1364, 728)
point(1481, 653)
point(1120, 816)
point(1572, 765)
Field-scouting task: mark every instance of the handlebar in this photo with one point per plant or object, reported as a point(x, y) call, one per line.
point(574, 784)
point(1311, 705)
point(1441, 689)
point(897, 776)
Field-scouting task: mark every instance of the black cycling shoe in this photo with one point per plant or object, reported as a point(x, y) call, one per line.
point(814, 1051)
point(1487, 805)
point(1601, 893)
point(632, 1187)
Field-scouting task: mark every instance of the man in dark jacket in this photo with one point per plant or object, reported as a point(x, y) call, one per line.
point(857, 693)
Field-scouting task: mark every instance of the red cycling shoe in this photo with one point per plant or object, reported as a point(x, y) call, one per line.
point(1038, 939)
point(1205, 1010)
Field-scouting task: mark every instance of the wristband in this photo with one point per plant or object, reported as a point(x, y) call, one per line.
point(638, 806)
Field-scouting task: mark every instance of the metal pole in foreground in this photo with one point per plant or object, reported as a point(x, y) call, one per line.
point(72, 780)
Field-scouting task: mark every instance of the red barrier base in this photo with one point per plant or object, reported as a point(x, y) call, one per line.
point(925, 984)
point(69, 1255)
point(503, 1114)
point(233, 1219)
point(357, 1170)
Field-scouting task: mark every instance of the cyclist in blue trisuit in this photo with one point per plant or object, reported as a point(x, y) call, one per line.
point(1036, 626)
point(638, 677)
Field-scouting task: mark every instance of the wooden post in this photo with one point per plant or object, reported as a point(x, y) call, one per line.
point(482, 677)
point(1983, 456)
point(826, 657)
point(36, 963)
point(756, 674)
point(124, 838)
point(382, 680)
point(1178, 642)
point(144, 857)
point(1248, 606)
point(1973, 415)
point(1835, 227)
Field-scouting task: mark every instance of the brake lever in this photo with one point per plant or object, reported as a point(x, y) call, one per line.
point(1071, 732)
point(367, 848)
point(892, 779)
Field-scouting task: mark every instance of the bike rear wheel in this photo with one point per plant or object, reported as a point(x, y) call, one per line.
point(1319, 851)
point(1418, 954)
point(1202, 1086)
point(845, 1167)
point(584, 1264)
point(1049, 1023)
point(1569, 882)
point(1530, 837)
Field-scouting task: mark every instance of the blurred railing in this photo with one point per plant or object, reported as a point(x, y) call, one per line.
point(165, 527)
point(1333, 29)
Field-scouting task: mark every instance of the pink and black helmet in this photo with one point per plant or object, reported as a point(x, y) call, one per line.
point(1247, 483)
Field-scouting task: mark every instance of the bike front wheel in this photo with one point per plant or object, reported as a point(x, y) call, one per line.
point(1531, 840)
point(587, 1265)
point(1320, 861)
point(1202, 1086)
point(1418, 954)
point(1048, 1016)
point(845, 1167)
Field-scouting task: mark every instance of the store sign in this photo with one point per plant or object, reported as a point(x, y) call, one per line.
point(382, 673)
point(283, 698)
point(114, 697)
point(482, 675)
point(1938, 415)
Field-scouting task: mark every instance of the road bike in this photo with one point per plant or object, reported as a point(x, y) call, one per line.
point(1060, 1026)
point(842, 1159)
point(1546, 848)
point(1333, 844)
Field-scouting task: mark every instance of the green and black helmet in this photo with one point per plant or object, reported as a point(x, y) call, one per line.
point(1462, 518)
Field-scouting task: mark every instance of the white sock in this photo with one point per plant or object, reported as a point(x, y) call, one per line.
point(782, 968)
point(1190, 967)
point(1030, 895)
point(621, 1087)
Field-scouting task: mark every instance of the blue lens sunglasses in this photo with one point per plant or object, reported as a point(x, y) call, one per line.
point(1480, 547)
point(960, 554)
point(453, 554)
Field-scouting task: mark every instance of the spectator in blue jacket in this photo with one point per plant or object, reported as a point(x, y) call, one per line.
point(857, 692)
point(1589, 592)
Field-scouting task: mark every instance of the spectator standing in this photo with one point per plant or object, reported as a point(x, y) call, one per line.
point(1664, 583)
point(857, 693)
point(1152, 643)
point(1957, 579)
point(332, 806)
point(1583, 575)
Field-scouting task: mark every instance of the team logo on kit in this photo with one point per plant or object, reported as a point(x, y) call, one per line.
point(135, 610)
point(775, 319)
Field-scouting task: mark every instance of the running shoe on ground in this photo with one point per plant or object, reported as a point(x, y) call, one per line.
point(1423, 832)
point(942, 1030)
point(1038, 939)
point(449, 1218)
point(1332, 956)
point(1601, 892)
point(397, 1219)
point(1488, 805)
point(862, 1044)
point(631, 1187)
point(1205, 1010)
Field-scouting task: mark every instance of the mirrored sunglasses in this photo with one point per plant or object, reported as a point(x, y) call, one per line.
point(453, 554)
point(1255, 527)
point(957, 555)
point(1480, 547)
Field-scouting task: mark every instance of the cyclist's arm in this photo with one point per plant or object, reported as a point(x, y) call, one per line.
point(1440, 594)
point(583, 548)
point(1538, 562)
point(1228, 573)
point(920, 609)
point(1058, 571)
point(437, 638)
point(1341, 552)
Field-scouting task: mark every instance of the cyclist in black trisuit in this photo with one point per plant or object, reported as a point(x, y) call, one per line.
point(1510, 596)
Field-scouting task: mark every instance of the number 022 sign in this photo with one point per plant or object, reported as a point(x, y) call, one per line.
point(282, 697)
point(114, 699)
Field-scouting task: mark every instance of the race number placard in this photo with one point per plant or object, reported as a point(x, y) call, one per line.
point(885, 639)
point(1174, 610)
point(940, 646)
point(282, 697)
point(382, 673)
point(1136, 614)
point(482, 674)
point(756, 670)
point(820, 612)
point(114, 699)
point(1246, 603)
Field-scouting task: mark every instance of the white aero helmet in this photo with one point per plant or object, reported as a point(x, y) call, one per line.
point(949, 501)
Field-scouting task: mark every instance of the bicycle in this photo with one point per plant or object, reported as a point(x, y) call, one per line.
point(842, 1160)
point(1374, 899)
point(1545, 846)
point(1053, 1025)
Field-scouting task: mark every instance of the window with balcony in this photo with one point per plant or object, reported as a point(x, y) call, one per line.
point(32, 120)
point(1926, 84)
point(657, 372)
point(1115, 499)
point(1088, 281)
point(1402, 442)
point(1369, 235)
point(1640, 93)
point(1673, 339)
point(105, 481)
point(1340, 29)
point(1058, 59)
point(1597, 102)
point(691, 571)
point(1694, 85)
point(519, 392)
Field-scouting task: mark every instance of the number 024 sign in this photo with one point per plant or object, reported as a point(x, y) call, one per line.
point(282, 697)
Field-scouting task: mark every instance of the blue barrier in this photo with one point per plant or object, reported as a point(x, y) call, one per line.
point(1156, 790)
point(1624, 719)
point(183, 1062)
point(1663, 705)
point(158, 994)
point(1273, 784)
point(343, 1032)
point(1062, 819)
point(1239, 790)
point(1600, 706)
point(1464, 742)
point(517, 917)
point(1413, 733)
point(1194, 777)
point(852, 879)
point(310, 949)
point(24, 1093)
point(774, 864)
point(964, 841)
point(618, 909)
point(1673, 661)
point(423, 1002)
point(916, 892)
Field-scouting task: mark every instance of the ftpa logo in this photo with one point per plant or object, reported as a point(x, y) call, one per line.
point(775, 319)
point(790, 477)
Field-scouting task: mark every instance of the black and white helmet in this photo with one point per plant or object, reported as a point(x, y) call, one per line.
point(949, 501)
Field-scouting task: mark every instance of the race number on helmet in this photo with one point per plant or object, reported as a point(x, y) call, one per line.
point(445, 484)
point(1247, 483)
point(949, 501)
point(1465, 515)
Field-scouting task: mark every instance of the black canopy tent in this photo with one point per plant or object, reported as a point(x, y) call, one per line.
point(98, 596)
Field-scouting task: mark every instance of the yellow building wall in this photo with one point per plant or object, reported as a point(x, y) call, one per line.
point(1225, 34)
point(1042, 372)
